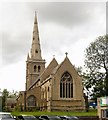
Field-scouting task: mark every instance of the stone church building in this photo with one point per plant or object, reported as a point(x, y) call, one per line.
point(57, 87)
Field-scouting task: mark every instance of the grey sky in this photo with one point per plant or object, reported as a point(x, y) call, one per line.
point(80, 20)
point(63, 27)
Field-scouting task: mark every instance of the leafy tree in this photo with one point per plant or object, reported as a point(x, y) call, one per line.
point(79, 69)
point(5, 94)
point(13, 94)
point(96, 63)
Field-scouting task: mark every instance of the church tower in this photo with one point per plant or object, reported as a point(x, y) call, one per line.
point(35, 65)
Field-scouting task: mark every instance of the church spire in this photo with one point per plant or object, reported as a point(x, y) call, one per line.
point(35, 19)
point(36, 50)
point(35, 65)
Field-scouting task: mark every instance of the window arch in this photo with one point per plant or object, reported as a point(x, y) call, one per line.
point(35, 68)
point(39, 67)
point(31, 101)
point(36, 51)
point(66, 86)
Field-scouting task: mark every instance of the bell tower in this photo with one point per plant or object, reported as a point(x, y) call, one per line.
point(35, 65)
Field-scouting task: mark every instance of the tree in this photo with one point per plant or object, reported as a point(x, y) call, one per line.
point(5, 94)
point(13, 94)
point(96, 63)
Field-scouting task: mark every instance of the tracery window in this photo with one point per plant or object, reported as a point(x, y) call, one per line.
point(66, 86)
point(31, 101)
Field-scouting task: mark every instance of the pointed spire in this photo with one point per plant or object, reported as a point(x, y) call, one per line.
point(35, 29)
point(28, 56)
point(36, 49)
point(35, 19)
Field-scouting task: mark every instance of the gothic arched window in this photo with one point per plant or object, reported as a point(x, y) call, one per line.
point(66, 86)
point(39, 68)
point(35, 68)
point(31, 101)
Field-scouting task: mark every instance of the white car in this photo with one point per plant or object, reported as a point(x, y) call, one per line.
point(6, 116)
point(26, 117)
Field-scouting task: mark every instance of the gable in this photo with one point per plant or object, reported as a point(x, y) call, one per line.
point(47, 72)
point(66, 65)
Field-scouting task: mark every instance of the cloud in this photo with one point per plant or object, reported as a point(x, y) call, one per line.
point(107, 17)
point(14, 48)
point(67, 13)
point(12, 77)
point(61, 25)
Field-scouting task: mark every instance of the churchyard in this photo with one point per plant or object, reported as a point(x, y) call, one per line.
point(38, 113)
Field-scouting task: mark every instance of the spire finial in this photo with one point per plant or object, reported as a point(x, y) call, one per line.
point(35, 13)
point(66, 54)
point(53, 56)
point(35, 19)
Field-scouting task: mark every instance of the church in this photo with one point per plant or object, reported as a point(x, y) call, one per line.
point(57, 87)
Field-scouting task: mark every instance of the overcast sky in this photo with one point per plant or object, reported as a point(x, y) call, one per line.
point(63, 27)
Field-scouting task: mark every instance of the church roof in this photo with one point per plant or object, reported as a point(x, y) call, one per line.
point(49, 68)
point(47, 72)
point(57, 67)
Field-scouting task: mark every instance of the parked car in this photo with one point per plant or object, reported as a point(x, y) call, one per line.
point(37, 116)
point(6, 116)
point(69, 118)
point(26, 117)
point(47, 117)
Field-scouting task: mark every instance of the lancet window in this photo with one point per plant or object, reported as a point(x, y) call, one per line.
point(35, 68)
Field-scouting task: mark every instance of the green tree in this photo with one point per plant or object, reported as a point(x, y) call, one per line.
point(5, 94)
point(13, 94)
point(96, 63)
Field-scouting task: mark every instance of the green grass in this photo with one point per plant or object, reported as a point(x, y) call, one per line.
point(38, 113)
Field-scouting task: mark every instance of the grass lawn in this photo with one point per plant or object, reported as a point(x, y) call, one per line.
point(38, 113)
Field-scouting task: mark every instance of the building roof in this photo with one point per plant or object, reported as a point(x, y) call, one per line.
point(47, 72)
point(51, 69)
